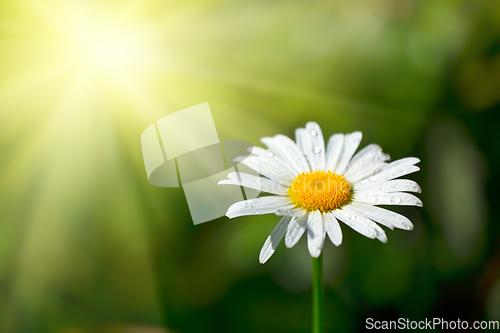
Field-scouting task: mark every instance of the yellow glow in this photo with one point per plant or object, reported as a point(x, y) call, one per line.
point(109, 49)
point(320, 190)
point(100, 46)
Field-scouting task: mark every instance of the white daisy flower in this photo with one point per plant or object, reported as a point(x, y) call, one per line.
point(314, 188)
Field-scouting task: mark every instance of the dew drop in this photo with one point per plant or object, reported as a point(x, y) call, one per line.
point(396, 200)
point(373, 179)
point(270, 154)
point(317, 150)
point(352, 217)
point(400, 170)
point(313, 132)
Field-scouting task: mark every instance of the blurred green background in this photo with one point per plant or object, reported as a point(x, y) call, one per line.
point(88, 245)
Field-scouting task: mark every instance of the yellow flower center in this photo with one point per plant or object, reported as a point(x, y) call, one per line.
point(320, 190)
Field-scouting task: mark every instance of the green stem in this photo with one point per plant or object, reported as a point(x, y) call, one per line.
point(318, 296)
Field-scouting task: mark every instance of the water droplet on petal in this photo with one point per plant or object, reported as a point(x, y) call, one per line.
point(317, 150)
point(270, 154)
point(313, 132)
point(396, 200)
point(352, 217)
point(400, 170)
point(373, 179)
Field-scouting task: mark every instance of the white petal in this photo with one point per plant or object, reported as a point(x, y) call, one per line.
point(255, 151)
point(381, 236)
point(367, 171)
point(298, 155)
point(291, 212)
point(274, 239)
point(364, 213)
point(397, 185)
point(295, 230)
point(318, 145)
point(351, 143)
point(312, 144)
point(367, 151)
point(366, 160)
point(258, 206)
point(304, 142)
point(390, 171)
point(269, 168)
point(380, 198)
point(334, 150)
point(359, 224)
point(256, 182)
point(332, 228)
point(315, 234)
point(258, 151)
point(366, 223)
point(287, 149)
point(250, 178)
point(383, 216)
